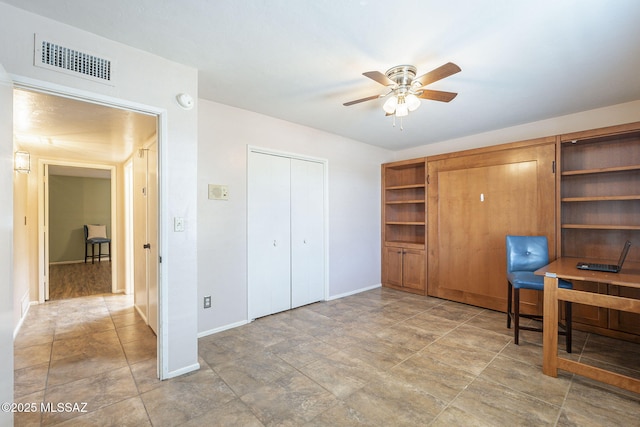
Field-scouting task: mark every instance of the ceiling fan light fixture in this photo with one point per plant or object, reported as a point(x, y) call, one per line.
point(402, 109)
point(412, 102)
point(389, 106)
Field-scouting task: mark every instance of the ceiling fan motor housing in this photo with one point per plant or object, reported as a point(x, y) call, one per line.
point(402, 75)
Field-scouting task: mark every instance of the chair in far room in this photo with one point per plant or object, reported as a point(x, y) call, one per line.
point(95, 234)
point(526, 254)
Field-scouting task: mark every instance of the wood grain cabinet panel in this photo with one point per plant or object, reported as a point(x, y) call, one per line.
point(474, 201)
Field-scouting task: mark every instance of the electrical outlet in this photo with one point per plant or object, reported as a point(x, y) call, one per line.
point(207, 301)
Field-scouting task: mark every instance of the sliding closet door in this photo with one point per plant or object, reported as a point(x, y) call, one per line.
point(307, 232)
point(269, 248)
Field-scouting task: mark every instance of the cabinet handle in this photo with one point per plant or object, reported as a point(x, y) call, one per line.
point(274, 243)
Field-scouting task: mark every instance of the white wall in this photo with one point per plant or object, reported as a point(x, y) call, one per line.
point(628, 112)
point(147, 81)
point(354, 206)
point(6, 245)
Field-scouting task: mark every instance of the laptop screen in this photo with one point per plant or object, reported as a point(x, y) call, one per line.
point(623, 255)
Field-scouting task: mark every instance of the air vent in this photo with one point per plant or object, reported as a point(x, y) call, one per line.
point(56, 57)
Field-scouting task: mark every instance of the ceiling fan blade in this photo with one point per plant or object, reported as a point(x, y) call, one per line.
point(379, 77)
point(357, 101)
point(437, 95)
point(439, 73)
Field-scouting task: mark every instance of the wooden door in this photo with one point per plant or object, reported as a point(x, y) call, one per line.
point(474, 201)
point(413, 269)
point(269, 234)
point(307, 232)
point(392, 266)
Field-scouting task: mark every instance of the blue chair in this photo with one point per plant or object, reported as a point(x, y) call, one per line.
point(95, 235)
point(526, 254)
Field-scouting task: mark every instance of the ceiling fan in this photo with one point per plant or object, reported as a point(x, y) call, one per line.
point(406, 89)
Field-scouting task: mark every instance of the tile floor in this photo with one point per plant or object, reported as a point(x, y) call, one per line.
point(378, 358)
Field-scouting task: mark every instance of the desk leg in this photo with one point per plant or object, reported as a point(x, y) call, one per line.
point(550, 327)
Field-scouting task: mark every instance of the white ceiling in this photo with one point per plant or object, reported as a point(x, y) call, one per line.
point(299, 60)
point(58, 127)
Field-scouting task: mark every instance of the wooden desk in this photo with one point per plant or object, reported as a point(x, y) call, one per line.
point(565, 268)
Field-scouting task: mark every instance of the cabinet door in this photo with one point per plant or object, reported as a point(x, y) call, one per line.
point(307, 232)
point(474, 201)
point(392, 266)
point(268, 229)
point(413, 269)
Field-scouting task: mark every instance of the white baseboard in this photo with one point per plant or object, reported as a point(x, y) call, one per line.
point(141, 314)
point(222, 328)
point(357, 291)
point(244, 322)
point(26, 304)
point(66, 262)
point(182, 371)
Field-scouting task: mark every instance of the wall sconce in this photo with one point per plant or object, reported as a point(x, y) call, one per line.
point(22, 162)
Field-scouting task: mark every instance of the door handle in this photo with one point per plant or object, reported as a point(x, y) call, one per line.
point(147, 246)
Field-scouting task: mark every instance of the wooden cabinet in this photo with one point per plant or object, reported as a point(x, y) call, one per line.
point(404, 225)
point(600, 209)
point(475, 199)
point(404, 269)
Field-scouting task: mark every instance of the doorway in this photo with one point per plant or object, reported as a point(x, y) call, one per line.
point(74, 197)
point(58, 129)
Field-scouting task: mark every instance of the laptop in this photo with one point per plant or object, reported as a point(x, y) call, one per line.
point(609, 268)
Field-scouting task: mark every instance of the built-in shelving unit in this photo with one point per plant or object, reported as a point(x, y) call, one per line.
point(599, 211)
point(404, 225)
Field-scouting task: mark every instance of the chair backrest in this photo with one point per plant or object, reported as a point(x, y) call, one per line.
point(527, 253)
point(95, 231)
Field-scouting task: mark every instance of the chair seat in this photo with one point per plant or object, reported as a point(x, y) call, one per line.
point(529, 280)
point(97, 240)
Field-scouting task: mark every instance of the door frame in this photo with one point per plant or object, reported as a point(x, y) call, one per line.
point(161, 114)
point(43, 223)
point(325, 214)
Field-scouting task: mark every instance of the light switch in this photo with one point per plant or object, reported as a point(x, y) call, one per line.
point(178, 224)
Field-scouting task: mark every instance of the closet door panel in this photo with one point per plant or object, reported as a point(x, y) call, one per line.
point(307, 232)
point(269, 236)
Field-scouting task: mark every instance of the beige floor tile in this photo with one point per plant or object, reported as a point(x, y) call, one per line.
point(129, 412)
point(528, 379)
point(190, 396)
point(291, 400)
point(594, 404)
point(233, 413)
point(380, 357)
point(502, 406)
point(97, 391)
point(394, 402)
point(340, 374)
point(29, 380)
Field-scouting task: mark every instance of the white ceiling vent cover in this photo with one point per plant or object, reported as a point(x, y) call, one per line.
point(60, 58)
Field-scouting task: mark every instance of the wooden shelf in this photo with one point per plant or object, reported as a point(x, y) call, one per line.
point(601, 170)
point(600, 198)
point(601, 227)
point(404, 223)
point(404, 187)
point(401, 202)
